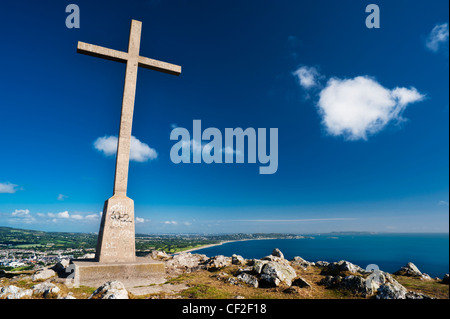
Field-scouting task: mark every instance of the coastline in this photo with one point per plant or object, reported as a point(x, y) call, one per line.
point(218, 244)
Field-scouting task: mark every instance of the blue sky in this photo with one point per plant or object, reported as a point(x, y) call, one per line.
point(362, 115)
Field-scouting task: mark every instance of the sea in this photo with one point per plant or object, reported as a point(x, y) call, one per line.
point(429, 252)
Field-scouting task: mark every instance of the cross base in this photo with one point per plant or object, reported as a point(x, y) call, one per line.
point(116, 238)
point(142, 272)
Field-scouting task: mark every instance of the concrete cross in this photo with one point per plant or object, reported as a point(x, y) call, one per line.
point(116, 238)
point(133, 61)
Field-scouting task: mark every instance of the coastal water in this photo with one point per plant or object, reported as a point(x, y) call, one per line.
point(429, 252)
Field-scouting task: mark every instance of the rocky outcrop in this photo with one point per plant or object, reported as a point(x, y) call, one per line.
point(237, 260)
point(300, 262)
point(391, 291)
point(43, 274)
point(186, 262)
point(159, 255)
point(248, 279)
point(13, 292)
point(110, 290)
point(445, 280)
point(218, 262)
point(410, 270)
point(277, 253)
point(340, 267)
point(45, 289)
point(274, 273)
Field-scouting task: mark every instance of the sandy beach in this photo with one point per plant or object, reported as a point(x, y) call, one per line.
point(218, 244)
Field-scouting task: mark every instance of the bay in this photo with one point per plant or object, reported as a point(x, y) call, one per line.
point(429, 252)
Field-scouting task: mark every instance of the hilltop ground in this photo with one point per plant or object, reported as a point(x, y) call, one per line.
point(198, 277)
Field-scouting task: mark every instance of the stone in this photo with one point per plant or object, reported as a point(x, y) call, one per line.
point(321, 263)
point(110, 290)
point(337, 268)
point(277, 253)
point(300, 262)
point(302, 283)
point(391, 291)
point(218, 262)
point(43, 274)
point(445, 280)
point(275, 273)
point(250, 280)
point(158, 254)
point(258, 265)
point(116, 239)
point(417, 295)
point(13, 292)
point(410, 270)
point(46, 289)
point(237, 260)
point(186, 261)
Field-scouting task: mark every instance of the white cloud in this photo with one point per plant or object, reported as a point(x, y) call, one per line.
point(139, 152)
point(355, 108)
point(438, 36)
point(8, 188)
point(170, 222)
point(22, 216)
point(21, 213)
point(308, 77)
point(139, 220)
point(62, 197)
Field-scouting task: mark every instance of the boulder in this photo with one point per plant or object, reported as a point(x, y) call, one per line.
point(302, 283)
point(13, 292)
point(391, 291)
point(274, 274)
point(322, 264)
point(338, 268)
point(186, 261)
point(159, 254)
point(300, 262)
point(410, 270)
point(45, 289)
point(110, 290)
point(237, 260)
point(258, 265)
point(43, 274)
point(218, 262)
point(248, 279)
point(277, 253)
point(417, 295)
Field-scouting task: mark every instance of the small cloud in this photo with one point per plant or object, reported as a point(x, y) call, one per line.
point(140, 220)
point(62, 197)
point(8, 188)
point(308, 77)
point(139, 151)
point(438, 37)
point(22, 216)
point(21, 213)
point(170, 222)
point(355, 108)
point(443, 203)
point(76, 217)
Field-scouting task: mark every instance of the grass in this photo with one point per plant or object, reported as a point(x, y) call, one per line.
point(433, 287)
